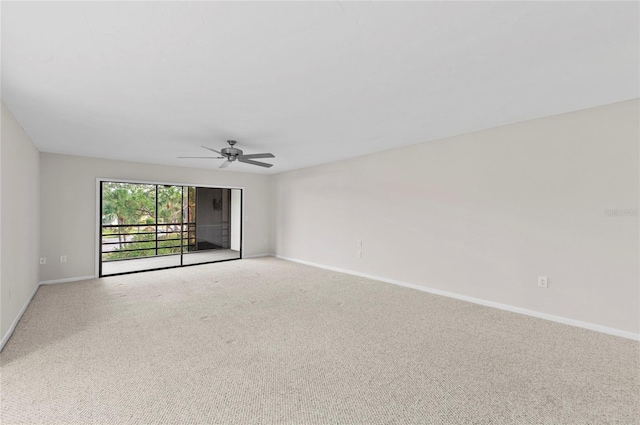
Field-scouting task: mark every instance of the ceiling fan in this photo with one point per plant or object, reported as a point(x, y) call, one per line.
point(232, 154)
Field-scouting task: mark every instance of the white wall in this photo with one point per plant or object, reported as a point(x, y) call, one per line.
point(236, 218)
point(484, 214)
point(68, 206)
point(20, 208)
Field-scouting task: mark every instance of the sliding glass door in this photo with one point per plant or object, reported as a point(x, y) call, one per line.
point(213, 229)
point(152, 226)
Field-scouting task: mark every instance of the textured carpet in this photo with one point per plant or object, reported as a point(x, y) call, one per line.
point(265, 341)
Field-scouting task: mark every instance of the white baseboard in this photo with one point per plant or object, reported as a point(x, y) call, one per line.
point(506, 307)
point(9, 332)
point(70, 279)
point(258, 256)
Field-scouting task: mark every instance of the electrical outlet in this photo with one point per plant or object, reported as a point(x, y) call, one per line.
point(543, 281)
point(360, 243)
point(63, 258)
point(43, 260)
point(359, 254)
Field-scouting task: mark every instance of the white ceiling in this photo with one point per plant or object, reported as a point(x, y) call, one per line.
point(312, 82)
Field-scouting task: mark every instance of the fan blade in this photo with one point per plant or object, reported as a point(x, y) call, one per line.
point(212, 150)
point(257, 155)
point(225, 164)
point(202, 157)
point(248, 161)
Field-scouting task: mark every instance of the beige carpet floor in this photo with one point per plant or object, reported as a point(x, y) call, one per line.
point(264, 341)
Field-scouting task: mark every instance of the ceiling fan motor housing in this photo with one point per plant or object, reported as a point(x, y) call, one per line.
point(231, 153)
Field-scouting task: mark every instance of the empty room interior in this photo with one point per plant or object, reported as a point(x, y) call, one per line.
point(320, 212)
